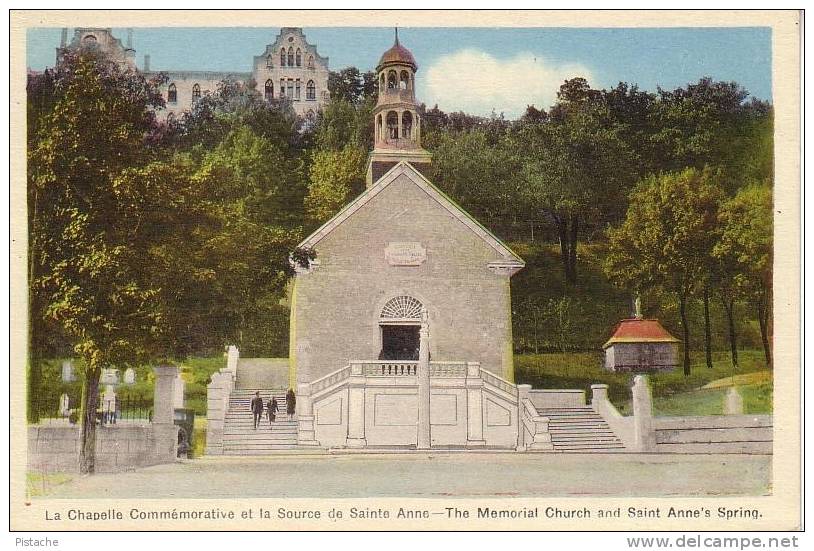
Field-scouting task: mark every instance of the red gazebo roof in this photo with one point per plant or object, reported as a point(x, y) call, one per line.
point(639, 330)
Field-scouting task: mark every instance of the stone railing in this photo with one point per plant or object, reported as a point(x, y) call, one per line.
point(387, 368)
point(329, 380)
point(500, 383)
point(447, 369)
point(533, 433)
point(620, 425)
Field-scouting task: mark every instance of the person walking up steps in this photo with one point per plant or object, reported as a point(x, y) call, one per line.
point(290, 403)
point(257, 408)
point(272, 410)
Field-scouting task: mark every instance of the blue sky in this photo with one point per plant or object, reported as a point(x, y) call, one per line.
point(478, 69)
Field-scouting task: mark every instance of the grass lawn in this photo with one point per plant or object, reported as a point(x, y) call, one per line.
point(673, 393)
point(199, 436)
point(39, 484)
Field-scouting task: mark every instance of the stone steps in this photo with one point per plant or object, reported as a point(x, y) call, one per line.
point(580, 430)
point(239, 435)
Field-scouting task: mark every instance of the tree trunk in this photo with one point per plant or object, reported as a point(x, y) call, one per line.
point(763, 320)
point(729, 307)
point(87, 438)
point(707, 329)
point(562, 230)
point(682, 304)
point(572, 244)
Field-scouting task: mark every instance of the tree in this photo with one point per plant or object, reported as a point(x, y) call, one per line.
point(666, 237)
point(575, 167)
point(336, 177)
point(83, 275)
point(745, 251)
point(353, 86)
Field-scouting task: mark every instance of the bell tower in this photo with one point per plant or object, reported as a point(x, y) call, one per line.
point(396, 122)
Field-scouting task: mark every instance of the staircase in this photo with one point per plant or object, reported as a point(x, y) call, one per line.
point(580, 430)
point(239, 434)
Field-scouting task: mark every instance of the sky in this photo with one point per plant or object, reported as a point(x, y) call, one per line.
point(477, 70)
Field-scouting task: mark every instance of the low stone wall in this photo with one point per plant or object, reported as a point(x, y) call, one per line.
point(714, 434)
point(120, 447)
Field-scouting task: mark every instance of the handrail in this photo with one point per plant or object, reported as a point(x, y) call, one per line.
point(330, 379)
point(498, 382)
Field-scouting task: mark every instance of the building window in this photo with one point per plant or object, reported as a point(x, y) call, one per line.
point(381, 82)
point(406, 124)
point(393, 125)
point(405, 80)
point(391, 80)
point(172, 94)
point(310, 91)
point(291, 56)
point(269, 61)
point(269, 89)
point(196, 92)
point(402, 308)
point(299, 58)
point(282, 88)
point(282, 57)
point(297, 90)
point(310, 62)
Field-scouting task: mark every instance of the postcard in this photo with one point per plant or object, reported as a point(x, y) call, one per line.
point(405, 270)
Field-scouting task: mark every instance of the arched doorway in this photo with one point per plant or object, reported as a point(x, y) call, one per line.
point(399, 322)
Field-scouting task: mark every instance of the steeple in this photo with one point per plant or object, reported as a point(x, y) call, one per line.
point(397, 124)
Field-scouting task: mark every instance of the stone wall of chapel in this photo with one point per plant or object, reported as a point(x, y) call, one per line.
point(184, 83)
point(337, 306)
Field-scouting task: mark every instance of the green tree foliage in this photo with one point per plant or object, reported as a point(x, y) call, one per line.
point(744, 253)
point(575, 167)
point(83, 273)
point(336, 177)
point(353, 86)
point(666, 238)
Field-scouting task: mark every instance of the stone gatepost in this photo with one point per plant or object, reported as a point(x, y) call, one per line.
point(306, 433)
point(165, 433)
point(178, 392)
point(474, 406)
point(733, 403)
point(424, 441)
point(356, 407)
point(232, 357)
point(645, 435)
point(217, 402)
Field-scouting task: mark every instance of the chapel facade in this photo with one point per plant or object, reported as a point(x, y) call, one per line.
point(290, 69)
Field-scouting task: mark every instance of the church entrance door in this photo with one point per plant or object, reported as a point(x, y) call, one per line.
point(400, 342)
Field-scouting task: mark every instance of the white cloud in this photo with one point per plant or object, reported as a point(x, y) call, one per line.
point(476, 82)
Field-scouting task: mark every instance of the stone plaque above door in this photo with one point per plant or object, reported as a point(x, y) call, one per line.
point(405, 253)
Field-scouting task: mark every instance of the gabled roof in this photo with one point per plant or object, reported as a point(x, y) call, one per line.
point(406, 169)
point(639, 330)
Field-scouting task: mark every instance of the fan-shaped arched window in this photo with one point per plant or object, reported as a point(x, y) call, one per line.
point(393, 125)
point(402, 308)
point(291, 56)
point(196, 92)
point(269, 89)
point(310, 91)
point(405, 80)
point(391, 80)
point(172, 94)
point(282, 57)
point(299, 58)
point(406, 124)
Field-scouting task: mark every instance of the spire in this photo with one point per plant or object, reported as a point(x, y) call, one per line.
point(397, 36)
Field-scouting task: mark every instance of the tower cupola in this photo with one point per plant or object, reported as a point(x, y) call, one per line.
point(397, 124)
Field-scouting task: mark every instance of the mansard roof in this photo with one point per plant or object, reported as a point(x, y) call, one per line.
point(510, 258)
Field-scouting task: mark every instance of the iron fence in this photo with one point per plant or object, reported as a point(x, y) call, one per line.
point(65, 409)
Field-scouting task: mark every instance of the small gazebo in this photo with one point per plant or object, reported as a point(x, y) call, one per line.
point(641, 346)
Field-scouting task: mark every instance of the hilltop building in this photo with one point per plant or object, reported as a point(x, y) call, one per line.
point(289, 68)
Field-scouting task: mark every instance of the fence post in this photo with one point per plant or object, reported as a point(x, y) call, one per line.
point(306, 434)
point(356, 407)
point(522, 395)
point(165, 433)
point(645, 436)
